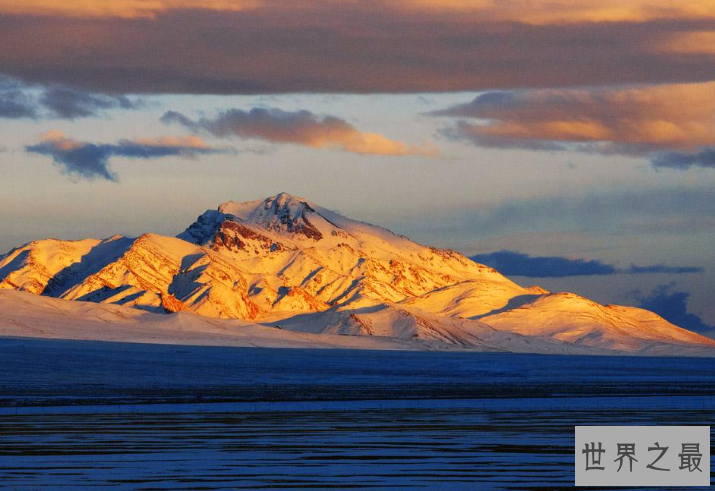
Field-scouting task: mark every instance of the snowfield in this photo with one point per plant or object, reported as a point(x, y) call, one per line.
point(79, 414)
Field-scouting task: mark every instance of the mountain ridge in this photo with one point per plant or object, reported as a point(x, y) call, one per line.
point(284, 260)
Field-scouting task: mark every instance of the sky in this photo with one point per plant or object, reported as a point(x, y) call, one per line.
point(570, 144)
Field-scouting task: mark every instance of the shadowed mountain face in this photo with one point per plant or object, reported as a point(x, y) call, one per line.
point(289, 263)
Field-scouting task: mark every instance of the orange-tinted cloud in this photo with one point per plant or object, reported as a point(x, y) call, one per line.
point(569, 11)
point(527, 11)
point(627, 120)
point(690, 42)
point(366, 46)
point(298, 127)
point(173, 141)
point(117, 8)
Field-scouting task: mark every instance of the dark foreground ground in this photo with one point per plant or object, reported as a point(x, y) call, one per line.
point(88, 415)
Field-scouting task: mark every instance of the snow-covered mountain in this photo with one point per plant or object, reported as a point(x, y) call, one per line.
point(286, 262)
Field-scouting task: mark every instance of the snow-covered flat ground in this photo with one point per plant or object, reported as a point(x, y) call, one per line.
point(78, 414)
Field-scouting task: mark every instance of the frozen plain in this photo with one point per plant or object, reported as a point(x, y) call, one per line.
point(85, 414)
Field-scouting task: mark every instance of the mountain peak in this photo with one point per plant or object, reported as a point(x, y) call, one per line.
point(294, 217)
point(286, 213)
point(283, 214)
point(281, 202)
point(284, 198)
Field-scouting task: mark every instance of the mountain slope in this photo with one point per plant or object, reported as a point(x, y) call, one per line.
point(26, 315)
point(329, 260)
point(31, 267)
point(423, 328)
point(576, 320)
point(289, 262)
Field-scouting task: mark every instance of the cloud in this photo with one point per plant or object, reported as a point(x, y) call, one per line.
point(117, 8)
point(567, 11)
point(628, 120)
point(517, 264)
point(663, 211)
point(671, 224)
point(91, 161)
point(18, 100)
point(15, 104)
point(370, 46)
point(690, 42)
point(674, 125)
point(298, 127)
point(661, 269)
point(678, 160)
point(672, 305)
point(68, 103)
point(527, 11)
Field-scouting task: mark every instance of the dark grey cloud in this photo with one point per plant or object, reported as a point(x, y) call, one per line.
point(517, 264)
point(91, 161)
point(485, 105)
point(681, 161)
point(69, 103)
point(513, 263)
point(87, 161)
point(672, 304)
point(342, 47)
point(175, 117)
point(15, 103)
point(22, 101)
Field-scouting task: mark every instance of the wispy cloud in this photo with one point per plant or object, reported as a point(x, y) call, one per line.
point(662, 269)
point(519, 264)
point(297, 127)
point(85, 160)
point(673, 124)
point(68, 103)
point(672, 304)
point(18, 101)
point(14, 102)
point(662, 211)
